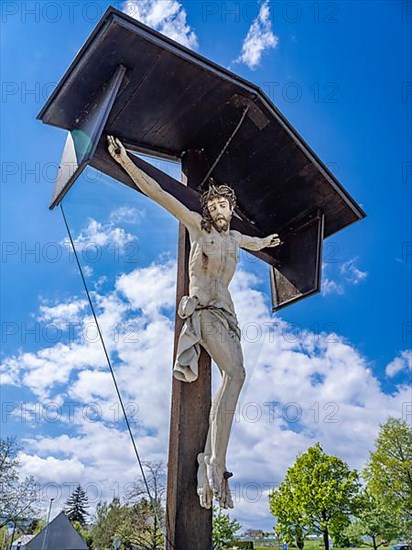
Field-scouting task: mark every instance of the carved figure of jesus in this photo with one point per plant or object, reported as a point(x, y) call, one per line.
point(208, 310)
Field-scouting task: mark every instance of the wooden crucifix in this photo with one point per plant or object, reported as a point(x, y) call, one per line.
point(161, 98)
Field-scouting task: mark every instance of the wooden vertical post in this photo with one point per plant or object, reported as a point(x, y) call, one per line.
point(188, 525)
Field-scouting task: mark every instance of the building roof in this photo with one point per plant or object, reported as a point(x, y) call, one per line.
point(59, 534)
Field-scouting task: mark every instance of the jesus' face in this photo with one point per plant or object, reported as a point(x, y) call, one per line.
point(220, 212)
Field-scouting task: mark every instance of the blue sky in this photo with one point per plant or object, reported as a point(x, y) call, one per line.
point(341, 74)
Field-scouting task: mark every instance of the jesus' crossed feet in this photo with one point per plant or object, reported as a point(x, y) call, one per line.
point(212, 481)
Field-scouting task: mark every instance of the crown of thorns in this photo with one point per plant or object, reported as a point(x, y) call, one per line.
point(216, 191)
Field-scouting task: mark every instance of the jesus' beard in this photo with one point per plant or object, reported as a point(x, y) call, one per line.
point(221, 228)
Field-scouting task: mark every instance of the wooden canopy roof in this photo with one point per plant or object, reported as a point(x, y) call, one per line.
point(172, 99)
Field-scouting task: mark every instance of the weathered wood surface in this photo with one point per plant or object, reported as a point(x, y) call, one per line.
point(189, 526)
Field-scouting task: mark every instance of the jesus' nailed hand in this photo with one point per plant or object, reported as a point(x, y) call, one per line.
point(213, 257)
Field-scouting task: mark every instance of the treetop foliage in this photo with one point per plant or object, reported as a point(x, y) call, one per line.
point(317, 495)
point(17, 497)
point(77, 505)
point(389, 470)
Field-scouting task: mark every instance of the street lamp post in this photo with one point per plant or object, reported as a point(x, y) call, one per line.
point(43, 546)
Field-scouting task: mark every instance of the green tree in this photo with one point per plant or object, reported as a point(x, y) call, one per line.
point(289, 524)
point(40, 525)
point(139, 528)
point(76, 506)
point(4, 545)
point(131, 524)
point(17, 497)
point(109, 520)
point(373, 522)
point(389, 471)
point(140, 521)
point(223, 529)
point(147, 512)
point(318, 494)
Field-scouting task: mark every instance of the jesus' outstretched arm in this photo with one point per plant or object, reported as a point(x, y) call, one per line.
point(257, 243)
point(151, 188)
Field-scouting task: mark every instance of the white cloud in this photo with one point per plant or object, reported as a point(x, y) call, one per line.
point(101, 235)
point(328, 285)
point(51, 468)
point(331, 287)
point(400, 363)
point(62, 314)
point(88, 271)
point(100, 282)
point(50, 367)
point(150, 289)
point(92, 385)
point(127, 214)
point(352, 273)
point(165, 16)
point(97, 239)
point(258, 39)
point(349, 274)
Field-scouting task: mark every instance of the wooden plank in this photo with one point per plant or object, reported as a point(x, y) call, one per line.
point(82, 142)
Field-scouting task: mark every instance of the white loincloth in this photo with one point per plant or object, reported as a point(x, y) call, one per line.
point(188, 349)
